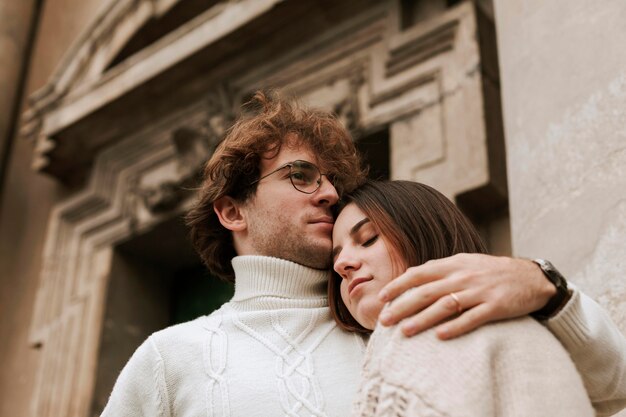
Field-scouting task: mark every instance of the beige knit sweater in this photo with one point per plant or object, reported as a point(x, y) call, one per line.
point(514, 368)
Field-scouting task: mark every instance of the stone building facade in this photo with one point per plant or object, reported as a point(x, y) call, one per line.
point(123, 100)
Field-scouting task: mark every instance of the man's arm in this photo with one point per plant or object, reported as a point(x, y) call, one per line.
point(140, 389)
point(490, 288)
point(598, 349)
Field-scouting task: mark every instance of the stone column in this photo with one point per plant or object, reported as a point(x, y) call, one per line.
point(563, 74)
point(16, 19)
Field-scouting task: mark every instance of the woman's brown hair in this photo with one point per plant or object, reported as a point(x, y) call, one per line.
point(417, 221)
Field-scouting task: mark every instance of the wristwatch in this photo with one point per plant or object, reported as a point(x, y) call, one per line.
point(562, 292)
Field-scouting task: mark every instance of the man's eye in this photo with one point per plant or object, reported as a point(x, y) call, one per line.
point(370, 241)
point(299, 177)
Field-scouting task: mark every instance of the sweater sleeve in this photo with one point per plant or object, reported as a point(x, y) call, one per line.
point(597, 348)
point(140, 390)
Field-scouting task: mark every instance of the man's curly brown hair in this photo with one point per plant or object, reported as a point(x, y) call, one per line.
point(234, 167)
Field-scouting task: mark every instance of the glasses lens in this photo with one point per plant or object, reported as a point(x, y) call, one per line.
point(305, 176)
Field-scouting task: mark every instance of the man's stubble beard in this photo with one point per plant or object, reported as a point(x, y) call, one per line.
point(301, 252)
point(286, 242)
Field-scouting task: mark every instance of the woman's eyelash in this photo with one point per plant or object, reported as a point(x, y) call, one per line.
point(370, 241)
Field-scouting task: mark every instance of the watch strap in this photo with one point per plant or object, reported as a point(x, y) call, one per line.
point(557, 301)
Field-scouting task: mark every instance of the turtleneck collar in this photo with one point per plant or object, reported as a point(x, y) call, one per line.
point(274, 282)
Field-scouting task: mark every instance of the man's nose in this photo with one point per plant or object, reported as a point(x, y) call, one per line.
point(327, 193)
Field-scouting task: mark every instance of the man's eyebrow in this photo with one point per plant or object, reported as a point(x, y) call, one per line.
point(353, 230)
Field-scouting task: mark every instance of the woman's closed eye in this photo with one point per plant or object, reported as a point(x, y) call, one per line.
point(370, 241)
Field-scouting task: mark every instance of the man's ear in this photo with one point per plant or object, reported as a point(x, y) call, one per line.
point(230, 214)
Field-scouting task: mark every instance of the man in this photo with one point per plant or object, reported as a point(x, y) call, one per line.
point(263, 220)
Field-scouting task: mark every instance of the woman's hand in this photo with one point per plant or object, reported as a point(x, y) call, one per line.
point(486, 288)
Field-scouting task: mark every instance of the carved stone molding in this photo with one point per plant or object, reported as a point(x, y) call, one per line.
point(85, 62)
point(82, 86)
point(192, 149)
point(423, 83)
point(81, 236)
point(221, 110)
point(411, 50)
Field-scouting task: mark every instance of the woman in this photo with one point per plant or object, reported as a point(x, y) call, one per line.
point(512, 368)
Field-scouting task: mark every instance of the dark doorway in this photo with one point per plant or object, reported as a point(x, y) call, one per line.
point(374, 147)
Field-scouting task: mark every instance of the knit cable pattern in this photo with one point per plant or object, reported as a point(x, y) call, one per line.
point(216, 347)
point(162, 398)
point(297, 384)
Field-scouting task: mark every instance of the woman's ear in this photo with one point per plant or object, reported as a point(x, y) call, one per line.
point(230, 214)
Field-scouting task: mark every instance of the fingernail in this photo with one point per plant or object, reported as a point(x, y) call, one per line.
point(383, 295)
point(408, 330)
point(385, 317)
point(443, 333)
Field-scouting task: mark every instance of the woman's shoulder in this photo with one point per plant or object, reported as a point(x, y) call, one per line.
point(459, 374)
point(521, 327)
point(391, 352)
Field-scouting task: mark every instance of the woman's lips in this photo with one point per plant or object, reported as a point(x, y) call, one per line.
point(355, 282)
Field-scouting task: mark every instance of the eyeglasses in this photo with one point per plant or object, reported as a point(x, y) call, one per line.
point(304, 176)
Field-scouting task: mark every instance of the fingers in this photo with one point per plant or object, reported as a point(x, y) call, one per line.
point(415, 300)
point(415, 277)
point(466, 322)
point(441, 310)
point(489, 289)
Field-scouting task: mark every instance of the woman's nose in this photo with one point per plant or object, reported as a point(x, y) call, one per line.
point(345, 263)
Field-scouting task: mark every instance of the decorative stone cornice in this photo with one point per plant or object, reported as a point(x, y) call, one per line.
point(82, 84)
point(85, 61)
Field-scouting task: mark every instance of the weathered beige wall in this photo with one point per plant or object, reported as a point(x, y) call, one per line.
point(563, 72)
point(16, 19)
point(25, 206)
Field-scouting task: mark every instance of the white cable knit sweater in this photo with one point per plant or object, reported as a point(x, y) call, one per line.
point(273, 350)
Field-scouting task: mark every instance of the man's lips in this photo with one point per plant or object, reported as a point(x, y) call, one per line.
point(356, 281)
point(323, 219)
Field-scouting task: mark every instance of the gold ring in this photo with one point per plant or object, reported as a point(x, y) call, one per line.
point(459, 309)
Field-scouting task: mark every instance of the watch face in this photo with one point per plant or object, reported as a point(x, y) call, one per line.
point(552, 274)
point(543, 264)
point(562, 293)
